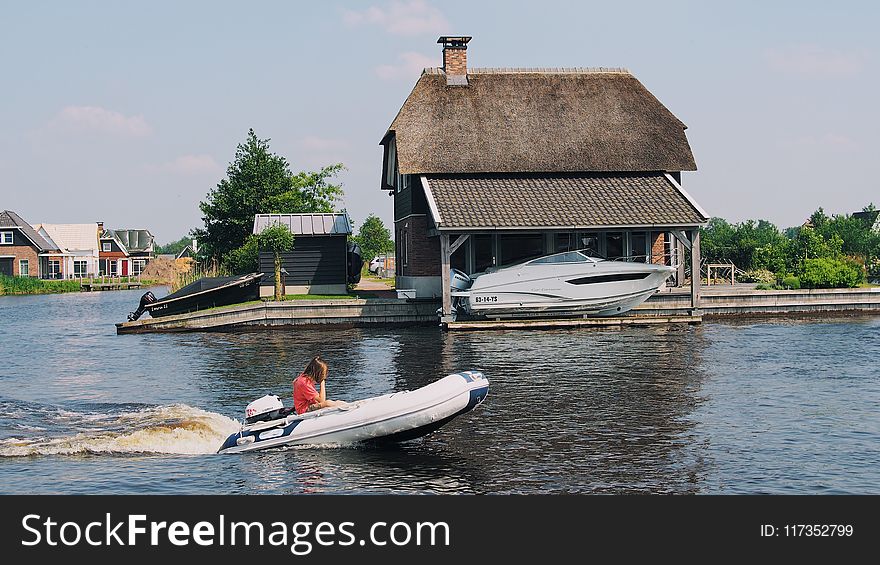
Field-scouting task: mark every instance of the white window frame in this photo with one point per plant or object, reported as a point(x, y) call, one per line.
point(49, 264)
point(27, 267)
point(82, 272)
point(112, 268)
point(106, 246)
point(137, 266)
point(4, 235)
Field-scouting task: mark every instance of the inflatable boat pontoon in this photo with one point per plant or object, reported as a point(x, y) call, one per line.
point(394, 417)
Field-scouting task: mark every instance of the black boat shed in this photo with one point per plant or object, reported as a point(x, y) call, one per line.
point(318, 263)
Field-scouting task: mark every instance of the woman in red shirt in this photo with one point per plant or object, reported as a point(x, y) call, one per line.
point(305, 396)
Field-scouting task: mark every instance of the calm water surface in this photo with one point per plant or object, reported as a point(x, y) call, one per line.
point(751, 407)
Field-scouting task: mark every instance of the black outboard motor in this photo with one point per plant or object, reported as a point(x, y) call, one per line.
point(146, 300)
point(355, 262)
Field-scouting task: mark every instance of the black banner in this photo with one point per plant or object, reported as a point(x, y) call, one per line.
point(437, 529)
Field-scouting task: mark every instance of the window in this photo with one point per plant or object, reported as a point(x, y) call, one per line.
point(111, 267)
point(614, 245)
point(54, 269)
point(638, 246)
point(404, 251)
point(79, 268)
point(24, 268)
point(519, 247)
point(568, 257)
point(105, 246)
point(6, 237)
point(137, 266)
point(483, 256)
point(610, 278)
point(391, 163)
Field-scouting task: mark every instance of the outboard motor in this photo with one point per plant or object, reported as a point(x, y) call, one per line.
point(265, 408)
point(459, 280)
point(147, 299)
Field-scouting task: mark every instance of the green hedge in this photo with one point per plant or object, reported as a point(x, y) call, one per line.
point(831, 273)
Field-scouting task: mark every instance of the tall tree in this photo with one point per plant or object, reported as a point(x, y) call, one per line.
point(276, 239)
point(374, 238)
point(259, 182)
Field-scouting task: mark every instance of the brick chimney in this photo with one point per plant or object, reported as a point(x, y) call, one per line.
point(455, 59)
point(100, 229)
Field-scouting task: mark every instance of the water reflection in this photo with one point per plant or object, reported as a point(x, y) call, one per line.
point(765, 406)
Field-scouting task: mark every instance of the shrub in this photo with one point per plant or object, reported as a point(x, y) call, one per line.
point(758, 276)
point(791, 283)
point(831, 273)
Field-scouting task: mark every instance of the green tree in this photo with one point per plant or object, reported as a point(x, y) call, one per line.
point(244, 259)
point(259, 182)
point(174, 247)
point(276, 239)
point(374, 238)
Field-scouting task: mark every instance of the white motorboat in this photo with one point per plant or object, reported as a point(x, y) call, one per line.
point(570, 282)
point(394, 417)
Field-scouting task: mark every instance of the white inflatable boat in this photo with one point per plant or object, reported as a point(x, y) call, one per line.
point(394, 417)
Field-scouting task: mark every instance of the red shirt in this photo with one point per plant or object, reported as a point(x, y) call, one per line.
point(304, 393)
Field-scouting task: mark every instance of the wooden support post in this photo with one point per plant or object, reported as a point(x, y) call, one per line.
point(679, 257)
point(444, 277)
point(695, 268)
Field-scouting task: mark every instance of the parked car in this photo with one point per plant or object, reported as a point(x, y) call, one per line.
point(381, 265)
point(377, 263)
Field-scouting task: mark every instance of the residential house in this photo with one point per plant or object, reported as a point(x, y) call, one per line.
point(489, 167)
point(870, 218)
point(77, 249)
point(318, 262)
point(125, 252)
point(23, 251)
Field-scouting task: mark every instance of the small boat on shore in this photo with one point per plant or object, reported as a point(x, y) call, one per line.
point(395, 417)
point(571, 282)
point(207, 292)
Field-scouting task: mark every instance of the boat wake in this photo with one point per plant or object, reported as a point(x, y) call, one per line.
point(169, 429)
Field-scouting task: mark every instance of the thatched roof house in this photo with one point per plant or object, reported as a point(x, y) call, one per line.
point(537, 120)
point(529, 161)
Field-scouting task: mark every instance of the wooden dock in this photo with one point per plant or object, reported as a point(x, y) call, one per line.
point(553, 323)
point(665, 307)
point(89, 287)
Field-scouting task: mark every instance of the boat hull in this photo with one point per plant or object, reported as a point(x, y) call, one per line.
point(400, 416)
point(235, 291)
point(599, 290)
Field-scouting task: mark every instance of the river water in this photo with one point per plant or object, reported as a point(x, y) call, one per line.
point(770, 406)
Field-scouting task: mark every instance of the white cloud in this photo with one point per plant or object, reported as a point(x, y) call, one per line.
point(410, 65)
point(192, 165)
point(102, 120)
point(413, 17)
point(828, 141)
point(814, 61)
point(313, 143)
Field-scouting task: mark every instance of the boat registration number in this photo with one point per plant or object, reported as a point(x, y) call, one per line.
point(484, 299)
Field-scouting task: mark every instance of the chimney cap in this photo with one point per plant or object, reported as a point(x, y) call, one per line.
point(454, 41)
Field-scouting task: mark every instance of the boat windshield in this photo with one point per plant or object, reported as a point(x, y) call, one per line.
point(566, 257)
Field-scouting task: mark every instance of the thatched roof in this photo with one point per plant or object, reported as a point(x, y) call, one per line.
point(537, 120)
point(560, 201)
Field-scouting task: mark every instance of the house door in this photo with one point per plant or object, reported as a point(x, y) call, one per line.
point(125, 268)
point(6, 266)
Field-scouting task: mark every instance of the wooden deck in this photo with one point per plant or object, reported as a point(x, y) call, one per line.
point(89, 287)
point(551, 323)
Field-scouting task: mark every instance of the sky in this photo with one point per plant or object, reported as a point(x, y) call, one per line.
point(130, 112)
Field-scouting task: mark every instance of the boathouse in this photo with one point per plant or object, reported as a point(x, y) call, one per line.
point(493, 166)
point(318, 263)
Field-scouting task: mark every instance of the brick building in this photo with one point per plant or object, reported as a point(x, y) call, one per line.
point(23, 252)
point(490, 167)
